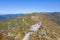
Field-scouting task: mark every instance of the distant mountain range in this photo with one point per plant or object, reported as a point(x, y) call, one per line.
point(9, 16)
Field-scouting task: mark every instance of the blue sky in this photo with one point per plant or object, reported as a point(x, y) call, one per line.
point(26, 6)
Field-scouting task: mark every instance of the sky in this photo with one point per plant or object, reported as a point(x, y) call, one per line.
point(27, 6)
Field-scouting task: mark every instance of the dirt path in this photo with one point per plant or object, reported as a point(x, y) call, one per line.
point(33, 29)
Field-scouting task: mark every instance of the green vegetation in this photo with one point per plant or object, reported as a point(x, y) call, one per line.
point(50, 26)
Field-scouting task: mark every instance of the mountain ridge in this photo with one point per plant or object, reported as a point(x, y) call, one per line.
point(18, 26)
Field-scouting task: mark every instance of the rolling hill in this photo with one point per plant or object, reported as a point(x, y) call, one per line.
point(19, 26)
